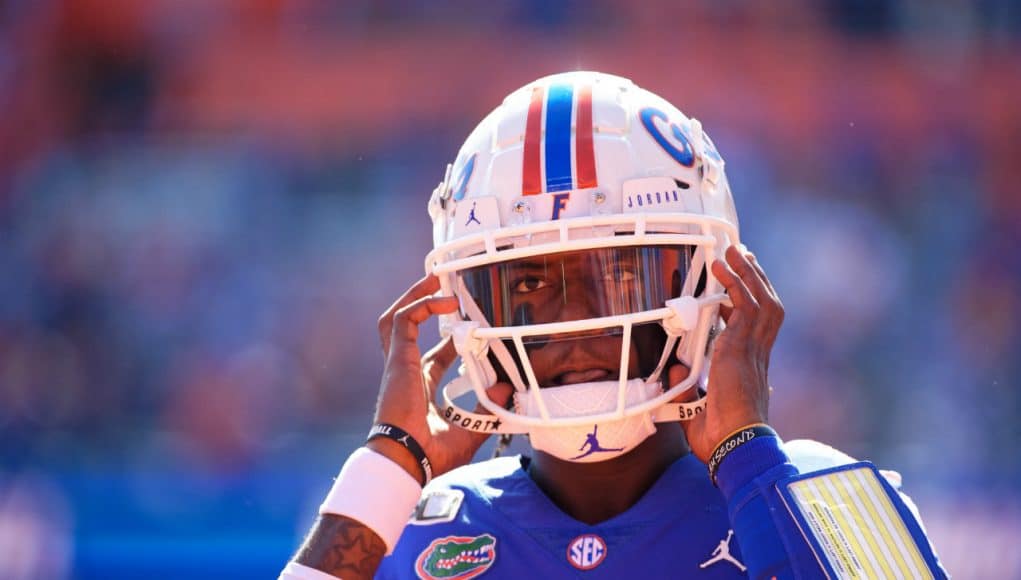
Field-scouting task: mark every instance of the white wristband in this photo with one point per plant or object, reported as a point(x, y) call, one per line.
point(296, 571)
point(375, 491)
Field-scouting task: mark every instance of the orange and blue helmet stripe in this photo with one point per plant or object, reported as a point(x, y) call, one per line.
point(547, 165)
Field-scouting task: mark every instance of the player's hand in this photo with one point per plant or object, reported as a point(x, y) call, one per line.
point(408, 391)
point(738, 390)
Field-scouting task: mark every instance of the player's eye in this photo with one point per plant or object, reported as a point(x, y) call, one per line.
point(529, 284)
point(618, 275)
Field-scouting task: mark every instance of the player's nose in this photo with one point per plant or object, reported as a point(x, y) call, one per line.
point(580, 302)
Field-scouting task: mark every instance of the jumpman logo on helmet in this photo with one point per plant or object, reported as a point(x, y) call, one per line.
point(471, 216)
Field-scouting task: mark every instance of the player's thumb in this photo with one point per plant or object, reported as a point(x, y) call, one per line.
point(500, 393)
point(675, 375)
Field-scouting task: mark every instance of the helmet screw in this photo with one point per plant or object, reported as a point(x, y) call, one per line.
point(599, 197)
point(520, 206)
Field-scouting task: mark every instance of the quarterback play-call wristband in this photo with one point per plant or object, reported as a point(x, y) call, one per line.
point(401, 436)
point(735, 440)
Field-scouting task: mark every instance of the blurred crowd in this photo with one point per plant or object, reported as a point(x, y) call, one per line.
point(204, 206)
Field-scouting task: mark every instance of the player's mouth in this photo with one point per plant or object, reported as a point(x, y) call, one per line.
point(582, 376)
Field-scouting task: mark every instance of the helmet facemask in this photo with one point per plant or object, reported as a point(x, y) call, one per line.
point(555, 324)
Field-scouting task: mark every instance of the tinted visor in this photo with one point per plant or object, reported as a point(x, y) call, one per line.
point(578, 285)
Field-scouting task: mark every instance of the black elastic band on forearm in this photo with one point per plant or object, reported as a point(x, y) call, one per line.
point(735, 440)
point(401, 436)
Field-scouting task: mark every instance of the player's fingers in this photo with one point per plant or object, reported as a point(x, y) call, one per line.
point(739, 294)
point(402, 392)
point(407, 319)
point(436, 362)
point(426, 286)
point(754, 261)
point(772, 312)
point(742, 266)
point(725, 312)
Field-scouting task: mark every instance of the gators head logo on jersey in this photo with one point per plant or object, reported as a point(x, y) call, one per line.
point(457, 557)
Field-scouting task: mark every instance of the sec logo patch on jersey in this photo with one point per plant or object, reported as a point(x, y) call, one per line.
point(586, 551)
point(456, 557)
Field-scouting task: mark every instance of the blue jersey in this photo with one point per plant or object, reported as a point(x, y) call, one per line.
point(490, 518)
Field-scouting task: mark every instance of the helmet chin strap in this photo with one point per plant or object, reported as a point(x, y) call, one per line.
point(585, 442)
point(490, 424)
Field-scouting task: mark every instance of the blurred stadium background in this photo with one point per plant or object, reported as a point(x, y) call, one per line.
point(205, 204)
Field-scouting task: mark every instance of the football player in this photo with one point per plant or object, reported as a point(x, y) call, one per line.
point(588, 273)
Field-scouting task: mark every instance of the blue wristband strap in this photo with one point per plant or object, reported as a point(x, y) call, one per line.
point(735, 440)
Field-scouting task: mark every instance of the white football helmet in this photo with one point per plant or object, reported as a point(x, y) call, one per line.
point(576, 228)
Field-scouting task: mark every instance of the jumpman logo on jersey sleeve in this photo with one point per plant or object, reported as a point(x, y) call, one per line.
point(593, 444)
